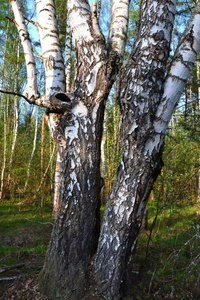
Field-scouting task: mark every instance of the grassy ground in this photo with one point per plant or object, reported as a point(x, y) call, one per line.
point(24, 237)
point(170, 264)
point(167, 261)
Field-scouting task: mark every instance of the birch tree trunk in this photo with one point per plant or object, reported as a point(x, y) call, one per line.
point(147, 99)
point(71, 250)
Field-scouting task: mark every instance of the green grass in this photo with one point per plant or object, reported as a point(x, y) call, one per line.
point(14, 216)
point(172, 263)
point(24, 235)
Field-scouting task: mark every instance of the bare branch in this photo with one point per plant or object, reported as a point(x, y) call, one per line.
point(17, 94)
point(59, 102)
point(30, 21)
point(8, 268)
point(10, 19)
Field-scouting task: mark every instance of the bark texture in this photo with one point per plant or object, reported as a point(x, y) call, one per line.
point(77, 132)
point(144, 95)
point(74, 236)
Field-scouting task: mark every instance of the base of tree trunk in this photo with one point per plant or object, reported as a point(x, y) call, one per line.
point(68, 285)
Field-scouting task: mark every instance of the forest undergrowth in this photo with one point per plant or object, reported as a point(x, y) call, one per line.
point(166, 261)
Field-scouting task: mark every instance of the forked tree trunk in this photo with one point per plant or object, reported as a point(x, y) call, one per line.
point(78, 133)
point(147, 100)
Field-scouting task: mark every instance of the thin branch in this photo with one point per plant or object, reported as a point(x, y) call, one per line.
point(9, 278)
point(10, 19)
point(17, 94)
point(30, 21)
point(8, 268)
point(59, 102)
point(46, 223)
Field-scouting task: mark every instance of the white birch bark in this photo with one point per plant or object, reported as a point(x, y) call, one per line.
point(51, 51)
point(80, 20)
point(68, 43)
point(103, 157)
point(119, 25)
point(68, 49)
point(28, 52)
point(76, 124)
point(147, 101)
point(42, 144)
point(99, 9)
point(183, 61)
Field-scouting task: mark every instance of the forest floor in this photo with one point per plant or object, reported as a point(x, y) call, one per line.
point(166, 271)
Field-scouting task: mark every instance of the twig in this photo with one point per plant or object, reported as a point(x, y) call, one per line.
point(39, 222)
point(9, 278)
point(16, 94)
point(10, 19)
point(30, 21)
point(6, 268)
point(4, 257)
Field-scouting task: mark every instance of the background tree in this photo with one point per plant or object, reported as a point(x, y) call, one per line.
point(20, 120)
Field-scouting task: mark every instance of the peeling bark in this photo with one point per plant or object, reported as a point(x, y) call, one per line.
point(147, 101)
point(77, 132)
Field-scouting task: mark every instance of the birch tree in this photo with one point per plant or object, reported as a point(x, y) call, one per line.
point(147, 99)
